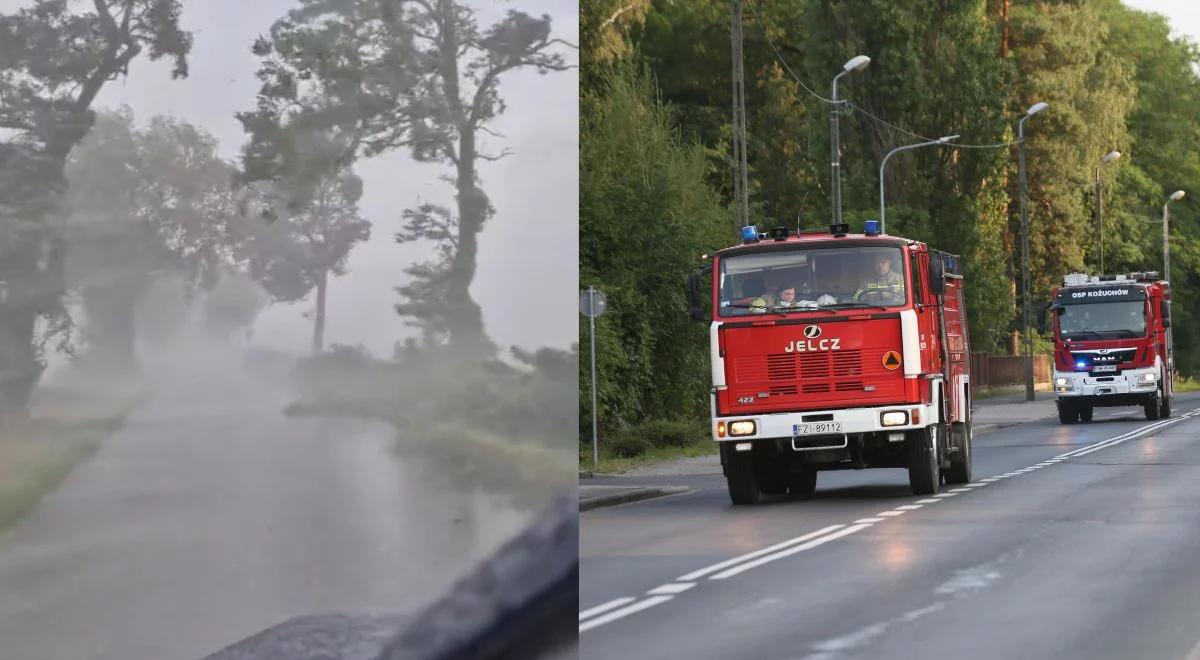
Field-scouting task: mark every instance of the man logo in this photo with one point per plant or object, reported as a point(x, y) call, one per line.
point(812, 331)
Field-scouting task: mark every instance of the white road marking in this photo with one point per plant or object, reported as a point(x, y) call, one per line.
point(601, 609)
point(622, 607)
point(623, 612)
point(695, 575)
point(671, 588)
point(742, 568)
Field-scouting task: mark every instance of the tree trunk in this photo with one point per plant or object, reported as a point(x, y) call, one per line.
point(111, 328)
point(465, 318)
point(318, 342)
point(20, 368)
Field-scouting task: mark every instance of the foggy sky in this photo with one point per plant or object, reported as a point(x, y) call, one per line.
point(527, 280)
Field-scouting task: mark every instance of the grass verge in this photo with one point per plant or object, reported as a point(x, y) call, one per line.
point(650, 442)
point(1187, 385)
point(37, 455)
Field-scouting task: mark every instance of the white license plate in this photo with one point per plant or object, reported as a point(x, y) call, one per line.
point(1105, 368)
point(816, 428)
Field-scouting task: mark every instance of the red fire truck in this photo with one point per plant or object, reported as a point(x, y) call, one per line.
point(1112, 344)
point(836, 351)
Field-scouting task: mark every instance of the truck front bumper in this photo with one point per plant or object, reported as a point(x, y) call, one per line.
point(1129, 385)
point(820, 423)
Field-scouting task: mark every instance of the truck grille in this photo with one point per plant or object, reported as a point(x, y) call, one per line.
point(813, 373)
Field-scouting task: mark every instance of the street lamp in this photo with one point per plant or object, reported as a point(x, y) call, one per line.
point(857, 63)
point(1175, 197)
point(1033, 110)
point(942, 140)
point(1108, 158)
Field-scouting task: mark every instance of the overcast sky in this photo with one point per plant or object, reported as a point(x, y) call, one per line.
point(528, 262)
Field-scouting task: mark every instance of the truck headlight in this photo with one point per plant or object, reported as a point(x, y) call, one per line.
point(893, 418)
point(1146, 379)
point(1060, 382)
point(741, 427)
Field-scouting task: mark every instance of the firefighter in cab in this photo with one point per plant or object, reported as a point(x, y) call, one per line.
point(884, 285)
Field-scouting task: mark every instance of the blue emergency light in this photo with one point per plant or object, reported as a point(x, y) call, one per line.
point(871, 227)
point(749, 234)
point(1081, 364)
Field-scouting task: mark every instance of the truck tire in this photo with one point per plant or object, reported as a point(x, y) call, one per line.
point(960, 463)
point(1164, 409)
point(924, 473)
point(1084, 413)
point(742, 482)
point(803, 484)
point(1067, 414)
point(1152, 407)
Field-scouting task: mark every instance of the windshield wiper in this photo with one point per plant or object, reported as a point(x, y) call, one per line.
point(1082, 335)
point(855, 305)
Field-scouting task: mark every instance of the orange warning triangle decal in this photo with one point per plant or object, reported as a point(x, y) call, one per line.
point(891, 360)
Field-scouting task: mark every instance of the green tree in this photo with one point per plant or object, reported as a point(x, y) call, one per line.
point(55, 57)
point(646, 217)
point(141, 204)
point(415, 74)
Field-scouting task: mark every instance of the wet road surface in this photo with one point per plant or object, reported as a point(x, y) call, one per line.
point(1071, 542)
point(212, 516)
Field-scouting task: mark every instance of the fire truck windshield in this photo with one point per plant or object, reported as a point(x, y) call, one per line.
point(807, 278)
point(1103, 320)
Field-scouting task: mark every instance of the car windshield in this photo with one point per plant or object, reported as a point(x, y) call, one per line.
point(1107, 320)
point(264, 349)
point(799, 279)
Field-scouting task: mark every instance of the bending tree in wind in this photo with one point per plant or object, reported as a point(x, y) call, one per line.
point(54, 60)
point(421, 75)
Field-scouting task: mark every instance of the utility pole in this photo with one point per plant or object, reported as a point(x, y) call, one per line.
point(1026, 327)
point(741, 203)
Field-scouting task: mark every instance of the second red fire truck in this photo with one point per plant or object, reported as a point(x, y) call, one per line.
point(1112, 344)
point(834, 351)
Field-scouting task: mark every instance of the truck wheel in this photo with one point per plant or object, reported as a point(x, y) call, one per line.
point(1066, 413)
point(803, 484)
point(739, 476)
point(924, 475)
point(960, 465)
point(1085, 414)
point(1152, 407)
point(1164, 409)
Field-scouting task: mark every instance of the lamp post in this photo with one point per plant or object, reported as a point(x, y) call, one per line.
point(1175, 197)
point(1108, 158)
point(857, 63)
point(1024, 194)
point(942, 140)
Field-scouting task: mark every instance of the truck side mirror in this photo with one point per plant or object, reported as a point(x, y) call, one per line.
point(937, 275)
point(695, 308)
point(1166, 314)
point(1042, 319)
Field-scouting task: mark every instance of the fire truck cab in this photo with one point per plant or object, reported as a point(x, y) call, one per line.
point(1112, 344)
point(835, 351)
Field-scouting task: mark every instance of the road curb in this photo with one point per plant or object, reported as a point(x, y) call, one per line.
point(632, 495)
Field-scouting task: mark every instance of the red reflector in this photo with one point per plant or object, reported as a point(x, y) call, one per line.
point(916, 415)
point(762, 323)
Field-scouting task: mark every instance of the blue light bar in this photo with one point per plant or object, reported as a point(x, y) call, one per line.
point(749, 234)
point(871, 227)
point(1081, 364)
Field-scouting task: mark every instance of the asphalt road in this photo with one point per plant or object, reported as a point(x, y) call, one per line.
point(211, 516)
point(1062, 547)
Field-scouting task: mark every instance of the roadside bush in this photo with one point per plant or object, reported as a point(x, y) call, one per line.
point(670, 433)
point(627, 444)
